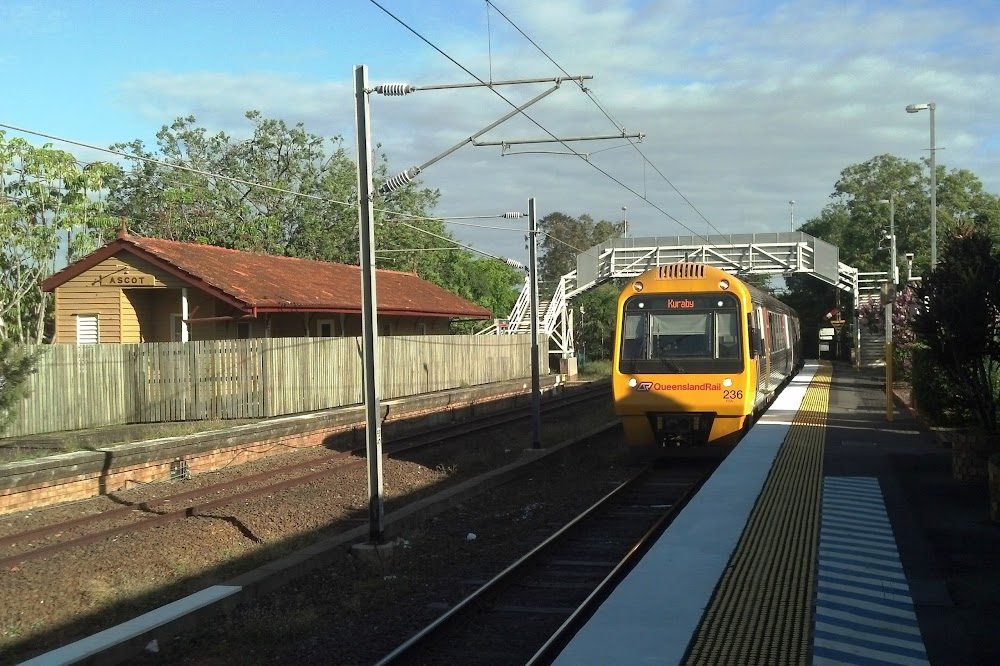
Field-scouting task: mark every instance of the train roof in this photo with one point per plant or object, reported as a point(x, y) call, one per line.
point(695, 270)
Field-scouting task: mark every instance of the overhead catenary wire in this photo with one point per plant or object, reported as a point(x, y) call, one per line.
point(182, 167)
point(590, 94)
point(241, 181)
point(532, 120)
point(386, 212)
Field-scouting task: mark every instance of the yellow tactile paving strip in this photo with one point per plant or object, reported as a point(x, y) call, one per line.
point(762, 611)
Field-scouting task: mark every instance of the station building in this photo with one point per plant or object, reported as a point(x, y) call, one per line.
point(137, 289)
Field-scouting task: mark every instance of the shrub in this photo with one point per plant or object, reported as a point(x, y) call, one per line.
point(958, 321)
point(937, 398)
point(17, 362)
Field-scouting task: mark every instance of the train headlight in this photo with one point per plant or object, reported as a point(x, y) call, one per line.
point(727, 382)
point(632, 382)
point(723, 284)
point(637, 286)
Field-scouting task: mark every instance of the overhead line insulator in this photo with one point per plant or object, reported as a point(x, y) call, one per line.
point(394, 89)
point(399, 180)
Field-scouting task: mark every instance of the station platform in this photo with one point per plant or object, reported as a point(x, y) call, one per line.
point(810, 544)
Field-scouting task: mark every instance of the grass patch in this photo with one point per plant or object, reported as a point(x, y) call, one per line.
point(592, 370)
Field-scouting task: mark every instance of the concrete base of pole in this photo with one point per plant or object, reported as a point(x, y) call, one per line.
point(373, 553)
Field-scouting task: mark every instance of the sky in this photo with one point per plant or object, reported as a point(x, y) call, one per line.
point(743, 107)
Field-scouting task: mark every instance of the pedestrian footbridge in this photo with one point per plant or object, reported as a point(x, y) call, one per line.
point(783, 253)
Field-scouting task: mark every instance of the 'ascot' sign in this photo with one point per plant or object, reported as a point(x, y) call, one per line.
point(128, 279)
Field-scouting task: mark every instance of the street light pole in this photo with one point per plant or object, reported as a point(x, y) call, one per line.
point(624, 221)
point(791, 218)
point(914, 108)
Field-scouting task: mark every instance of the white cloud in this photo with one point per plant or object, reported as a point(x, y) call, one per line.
point(744, 107)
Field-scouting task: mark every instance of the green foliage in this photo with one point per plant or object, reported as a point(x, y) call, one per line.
point(959, 320)
point(294, 194)
point(858, 219)
point(17, 362)
point(594, 370)
point(306, 208)
point(563, 237)
point(187, 201)
point(45, 198)
point(937, 397)
point(595, 321)
point(857, 222)
point(486, 282)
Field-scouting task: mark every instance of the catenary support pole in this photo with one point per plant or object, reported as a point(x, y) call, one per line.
point(536, 397)
point(369, 331)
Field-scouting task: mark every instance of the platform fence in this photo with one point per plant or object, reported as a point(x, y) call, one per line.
point(92, 386)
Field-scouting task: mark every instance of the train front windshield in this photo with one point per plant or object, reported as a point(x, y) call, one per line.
point(681, 334)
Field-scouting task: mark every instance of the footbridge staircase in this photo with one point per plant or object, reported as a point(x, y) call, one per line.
point(785, 253)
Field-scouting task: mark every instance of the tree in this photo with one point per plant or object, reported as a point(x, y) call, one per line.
point(595, 321)
point(294, 195)
point(48, 201)
point(959, 319)
point(858, 220)
point(563, 237)
point(282, 191)
point(487, 282)
point(17, 362)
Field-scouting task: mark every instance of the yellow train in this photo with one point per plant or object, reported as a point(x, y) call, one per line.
point(699, 354)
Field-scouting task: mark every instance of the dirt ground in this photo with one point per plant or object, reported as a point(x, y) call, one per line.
point(55, 600)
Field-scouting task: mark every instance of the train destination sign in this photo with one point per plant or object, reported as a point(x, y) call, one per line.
point(667, 302)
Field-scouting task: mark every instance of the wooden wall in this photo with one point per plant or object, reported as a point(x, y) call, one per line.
point(91, 292)
point(137, 313)
point(90, 386)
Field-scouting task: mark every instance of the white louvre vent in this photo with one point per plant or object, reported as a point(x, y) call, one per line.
point(87, 330)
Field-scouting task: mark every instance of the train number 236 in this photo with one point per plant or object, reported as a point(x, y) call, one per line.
point(732, 395)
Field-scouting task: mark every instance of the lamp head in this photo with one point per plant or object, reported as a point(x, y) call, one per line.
point(914, 108)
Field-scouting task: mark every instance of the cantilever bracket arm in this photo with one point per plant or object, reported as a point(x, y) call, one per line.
point(503, 119)
point(622, 135)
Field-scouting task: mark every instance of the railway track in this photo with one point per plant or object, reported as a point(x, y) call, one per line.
point(523, 615)
point(65, 535)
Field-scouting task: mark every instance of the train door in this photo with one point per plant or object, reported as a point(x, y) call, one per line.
point(762, 364)
point(788, 344)
point(765, 316)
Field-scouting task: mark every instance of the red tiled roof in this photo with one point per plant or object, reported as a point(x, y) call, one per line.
point(281, 284)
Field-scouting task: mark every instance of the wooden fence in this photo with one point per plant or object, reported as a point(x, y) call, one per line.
point(91, 386)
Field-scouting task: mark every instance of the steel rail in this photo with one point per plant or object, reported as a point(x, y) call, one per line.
point(626, 562)
point(419, 440)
